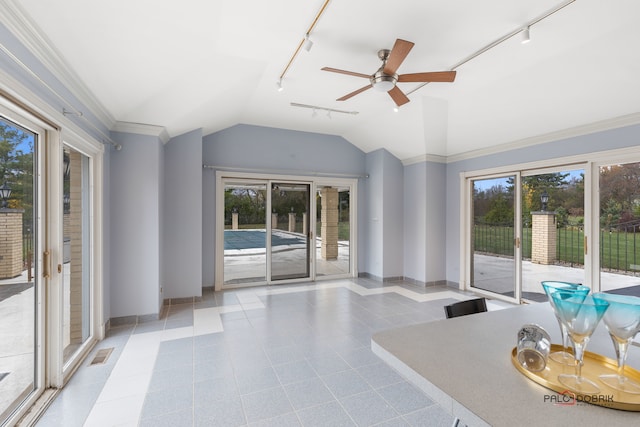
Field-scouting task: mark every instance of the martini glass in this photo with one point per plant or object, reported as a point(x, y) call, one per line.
point(580, 316)
point(563, 357)
point(622, 320)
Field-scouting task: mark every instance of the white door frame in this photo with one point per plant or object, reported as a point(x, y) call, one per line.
point(223, 176)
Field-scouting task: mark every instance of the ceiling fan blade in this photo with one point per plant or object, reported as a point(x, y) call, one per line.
point(398, 96)
point(354, 93)
point(348, 73)
point(399, 52)
point(435, 76)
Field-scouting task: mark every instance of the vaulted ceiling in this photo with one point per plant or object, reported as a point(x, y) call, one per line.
point(211, 64)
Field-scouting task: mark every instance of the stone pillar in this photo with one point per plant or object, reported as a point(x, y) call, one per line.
point(74, 233)
point(234, 220)
point(274, 221)
point(305, 227)
point(10, 243)
point(292, 222)
point(543, 237)
point(329, 223)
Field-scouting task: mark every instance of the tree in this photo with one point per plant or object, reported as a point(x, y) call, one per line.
point(16, 167)
point(620, 184)
point(501, 211)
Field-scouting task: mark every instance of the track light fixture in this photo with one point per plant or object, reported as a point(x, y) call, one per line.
point(316, 108)
point(526, 36)
point(279, 85)
point(308, 43)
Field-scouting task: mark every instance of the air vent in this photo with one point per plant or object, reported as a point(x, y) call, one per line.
point(101, 356)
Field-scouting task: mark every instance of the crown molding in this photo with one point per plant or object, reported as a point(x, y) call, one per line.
point(142, 129)
point(600, 126)
point(434, 158)
point(26, 31)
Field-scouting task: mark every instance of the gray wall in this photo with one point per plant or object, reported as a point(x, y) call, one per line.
point(415, 221)
point(424, 213)
point(392, 226)
point(435, 216)
point(135, 210)
point(182, 221)
point(384, 219)
point(607, 140)
point(268, 149)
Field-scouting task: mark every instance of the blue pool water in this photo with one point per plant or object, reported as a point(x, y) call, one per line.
point(252, 239)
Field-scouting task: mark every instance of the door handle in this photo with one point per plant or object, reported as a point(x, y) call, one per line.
point(586, 252)
point(45, 264)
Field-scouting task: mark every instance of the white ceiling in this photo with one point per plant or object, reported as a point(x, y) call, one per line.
point(211, 64)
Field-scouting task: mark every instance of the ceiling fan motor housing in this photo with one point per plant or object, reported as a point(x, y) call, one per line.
point(383, 82)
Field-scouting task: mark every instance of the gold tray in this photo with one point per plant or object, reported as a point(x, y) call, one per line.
point(594, 365)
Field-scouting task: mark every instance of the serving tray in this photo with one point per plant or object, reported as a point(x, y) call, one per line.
point(594, 365)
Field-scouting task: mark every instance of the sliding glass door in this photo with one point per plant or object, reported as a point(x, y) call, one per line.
point(270, 231)
point(493, 262)
point(76, 262)
point(524, 228)
point(261, 248)
point(619, 227)
point(21, 282)
point(553, 229)
point(333, 229)
point(290, 249)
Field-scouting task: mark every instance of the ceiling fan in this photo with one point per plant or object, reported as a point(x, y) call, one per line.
point(385, 79)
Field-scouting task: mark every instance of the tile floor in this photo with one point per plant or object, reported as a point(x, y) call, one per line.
point(294, 355)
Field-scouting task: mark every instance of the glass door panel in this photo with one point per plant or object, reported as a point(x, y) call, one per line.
point(332, 242)
point(620, 228)
point(76, 277)
point(552, 230)
point(290, 248)
point(493, 266)
point(245, 250)
point(19, 288)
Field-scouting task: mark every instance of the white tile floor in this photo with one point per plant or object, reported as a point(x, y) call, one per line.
point(267, 356)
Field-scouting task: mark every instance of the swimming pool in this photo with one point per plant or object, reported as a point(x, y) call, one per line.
point(253, 239)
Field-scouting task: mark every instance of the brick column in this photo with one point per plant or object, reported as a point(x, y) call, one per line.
point(305, 228)
point(543, 237)
point(74, 233)
point(292, 222)
point(234, 220)
point(329, 223)
point(10, 243)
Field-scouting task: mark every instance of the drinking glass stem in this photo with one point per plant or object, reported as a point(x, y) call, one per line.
point(565, 335)
point(578, 350)
point(621, 353)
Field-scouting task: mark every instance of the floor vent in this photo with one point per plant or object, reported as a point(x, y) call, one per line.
point(101, 356)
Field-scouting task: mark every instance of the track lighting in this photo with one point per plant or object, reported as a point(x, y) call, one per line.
point(526, 37)
point(279, 85)
point(316, 108)
point(308, 43)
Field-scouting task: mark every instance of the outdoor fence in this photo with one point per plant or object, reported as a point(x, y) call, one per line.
point(619, 244)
